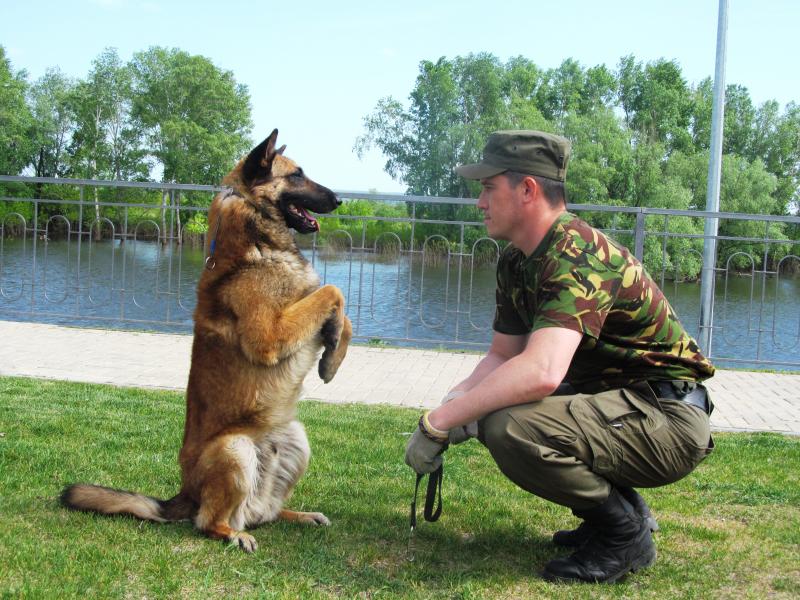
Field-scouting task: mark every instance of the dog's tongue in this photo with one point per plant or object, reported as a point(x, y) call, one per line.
point(308, 217)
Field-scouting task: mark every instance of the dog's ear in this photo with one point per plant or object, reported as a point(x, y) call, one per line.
point(258, 164)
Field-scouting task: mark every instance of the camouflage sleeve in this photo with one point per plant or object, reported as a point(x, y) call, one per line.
point(576, 292)
point(506, 318)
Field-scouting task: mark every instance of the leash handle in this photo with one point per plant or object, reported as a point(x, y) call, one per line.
point(434, 485)
point(434, 489)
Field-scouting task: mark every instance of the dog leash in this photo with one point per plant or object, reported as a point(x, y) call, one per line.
point(210, 262)
point(434, 490)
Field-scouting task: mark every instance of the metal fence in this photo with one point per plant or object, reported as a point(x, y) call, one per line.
point(124, 255)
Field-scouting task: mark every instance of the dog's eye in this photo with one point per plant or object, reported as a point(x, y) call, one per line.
point(297, 174)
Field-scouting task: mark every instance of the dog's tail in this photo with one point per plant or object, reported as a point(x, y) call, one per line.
point(108, 501)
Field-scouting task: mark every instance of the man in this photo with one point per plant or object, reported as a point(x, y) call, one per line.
point(591, 385)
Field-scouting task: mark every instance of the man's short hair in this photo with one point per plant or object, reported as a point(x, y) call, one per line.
point(554, 191)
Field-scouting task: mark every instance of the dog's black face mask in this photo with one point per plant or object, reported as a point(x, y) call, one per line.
point(295, 204)
point(296, 194)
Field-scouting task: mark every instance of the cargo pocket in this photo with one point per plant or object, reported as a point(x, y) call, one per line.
point(601, 418)
point(672, 441)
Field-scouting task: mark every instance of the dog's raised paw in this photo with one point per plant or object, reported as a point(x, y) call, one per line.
point(331, 331)
point(329, 364)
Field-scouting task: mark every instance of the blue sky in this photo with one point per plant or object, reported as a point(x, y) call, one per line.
point(315, 68)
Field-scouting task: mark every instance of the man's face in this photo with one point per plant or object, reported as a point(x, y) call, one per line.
point(499, 200)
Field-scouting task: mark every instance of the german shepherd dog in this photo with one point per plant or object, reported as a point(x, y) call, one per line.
point(260, 323)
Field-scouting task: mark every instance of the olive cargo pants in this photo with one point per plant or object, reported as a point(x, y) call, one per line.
point(572, 449)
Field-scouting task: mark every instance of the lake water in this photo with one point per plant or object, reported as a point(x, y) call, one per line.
point(392, 298)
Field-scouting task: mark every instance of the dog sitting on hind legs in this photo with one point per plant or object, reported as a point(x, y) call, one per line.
point(261, 320)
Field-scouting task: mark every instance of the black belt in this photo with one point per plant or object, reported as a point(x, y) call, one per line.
point(685, 391)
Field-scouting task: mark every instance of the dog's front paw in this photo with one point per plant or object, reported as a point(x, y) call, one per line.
point(331, 331)
point(327, 365)
point(331, 335)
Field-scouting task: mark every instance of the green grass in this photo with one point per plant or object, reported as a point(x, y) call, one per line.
point(729, 530)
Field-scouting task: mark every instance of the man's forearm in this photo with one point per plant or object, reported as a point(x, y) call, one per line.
point(487, 364)
point(508, 383)
point(528, 376)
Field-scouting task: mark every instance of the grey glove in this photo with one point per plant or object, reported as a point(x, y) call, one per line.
point(423, 454)
point(463, 432)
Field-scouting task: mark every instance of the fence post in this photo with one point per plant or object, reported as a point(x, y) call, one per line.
point(708, 277)
point(638, 236)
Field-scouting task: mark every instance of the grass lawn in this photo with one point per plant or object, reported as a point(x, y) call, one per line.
point(729, 530)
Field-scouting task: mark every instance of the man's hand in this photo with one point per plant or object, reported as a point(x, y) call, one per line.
point(424, 449)
point(463, 432)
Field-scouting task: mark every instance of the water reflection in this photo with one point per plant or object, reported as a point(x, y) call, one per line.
point(449, 302)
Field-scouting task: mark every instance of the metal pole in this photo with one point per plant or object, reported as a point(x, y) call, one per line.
point(712, 191)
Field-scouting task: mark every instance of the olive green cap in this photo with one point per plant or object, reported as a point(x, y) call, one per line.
point(524, 151)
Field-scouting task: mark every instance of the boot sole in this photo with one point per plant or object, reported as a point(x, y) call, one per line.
point(642, 562)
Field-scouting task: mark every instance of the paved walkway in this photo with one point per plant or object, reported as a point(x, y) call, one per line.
point(745, 401)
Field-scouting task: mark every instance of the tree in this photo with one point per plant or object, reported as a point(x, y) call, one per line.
point(195, 117)
point(629, 83)
point(777, 144)
point(453, 107)
point(601, 167)
point(16, 119)
point(106, 143)
point(702, 105)
point(640, 137)
point(55, 122)
point(562, 92)
point(739, 121)
point(747, 187)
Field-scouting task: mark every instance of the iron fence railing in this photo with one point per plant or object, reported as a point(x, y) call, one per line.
point(128, 254)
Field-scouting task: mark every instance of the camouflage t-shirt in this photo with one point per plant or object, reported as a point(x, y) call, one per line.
point(580, 279)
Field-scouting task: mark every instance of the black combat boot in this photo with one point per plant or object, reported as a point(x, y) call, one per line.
point(575, 538)
point(621, 543)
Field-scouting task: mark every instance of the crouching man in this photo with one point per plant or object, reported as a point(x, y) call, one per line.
point(591, 386)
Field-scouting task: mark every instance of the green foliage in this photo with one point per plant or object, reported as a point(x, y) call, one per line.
point(377, 229)
point(16, 119)
point(107, 142)
point(197, 224)
point(640, 137)
point(195, 116)
point(165, 108)
point(50, 100)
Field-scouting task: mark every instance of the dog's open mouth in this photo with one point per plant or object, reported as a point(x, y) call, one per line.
point(303, 221)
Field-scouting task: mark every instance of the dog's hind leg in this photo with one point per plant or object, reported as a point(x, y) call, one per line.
point(285, 453)
point(227, 473)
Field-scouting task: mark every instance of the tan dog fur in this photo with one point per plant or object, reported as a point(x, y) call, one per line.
point(260, 323)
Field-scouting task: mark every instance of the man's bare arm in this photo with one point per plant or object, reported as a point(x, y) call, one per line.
point(503, 348)
point(526, 377)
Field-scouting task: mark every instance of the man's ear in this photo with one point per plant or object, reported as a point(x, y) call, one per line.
point(531, 188)
point(258, 164)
